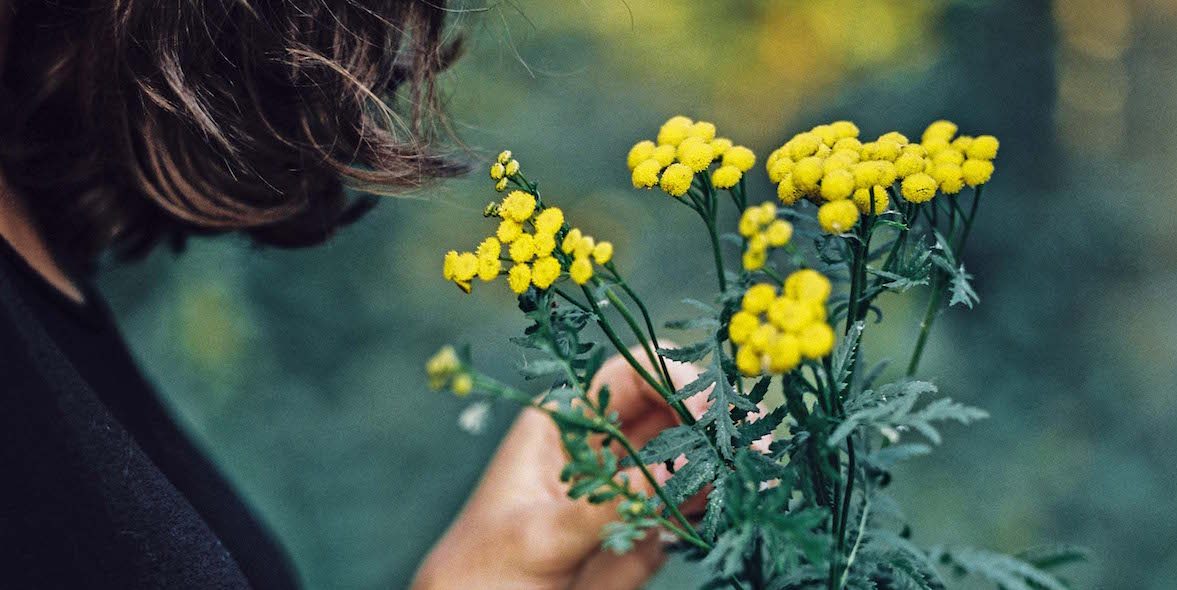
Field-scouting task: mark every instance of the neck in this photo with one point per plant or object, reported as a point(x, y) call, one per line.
point(18, 227)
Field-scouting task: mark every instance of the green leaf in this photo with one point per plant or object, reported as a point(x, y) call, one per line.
point(699, 470)
point(689, 354)
point(1051, 556)
point(751, 432)
point(1007, 571)
point(890, 411)
point(758, 391)
point(534, 369)
point(672, 443)
point(842, 361)
point(693, 323)
point(887, 457)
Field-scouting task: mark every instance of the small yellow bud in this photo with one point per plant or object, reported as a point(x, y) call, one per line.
point(501, 185)
point(786, 191)
point(518, 206)
point(571, 239)
point(504, 157)
point(497, 171)
point(695, 153)
point(523, 248)
point(720, 145)
point(463, 384)
point(748, 361)
point(862, 199)
point(703, 130)
point(807, 173)
point(512, 168)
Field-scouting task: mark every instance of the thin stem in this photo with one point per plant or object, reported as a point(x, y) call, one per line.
point(679, 408)
point(857, 543)
point(649, 323)
point(716, 253)
point(651, 354)
point(926, 325)
point(691, 536)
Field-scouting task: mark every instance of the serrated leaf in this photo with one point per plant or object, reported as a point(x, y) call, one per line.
point(689, 354)
point(693, 323)
point(534, 369)
point(698, 471)
point(1007, 571)
point(672, 443)
point(890, 410)
point(759, 390)
point(888, 457)
point(1051, 556)
point(751, 432)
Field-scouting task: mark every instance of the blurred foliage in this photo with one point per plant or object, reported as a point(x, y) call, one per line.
point(300, 371)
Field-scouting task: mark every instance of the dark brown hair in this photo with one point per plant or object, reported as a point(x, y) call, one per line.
point(128, 122)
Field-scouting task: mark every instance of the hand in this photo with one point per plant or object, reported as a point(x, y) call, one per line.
point(519, 530)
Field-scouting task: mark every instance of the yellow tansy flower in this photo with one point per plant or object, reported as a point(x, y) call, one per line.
point(862, 199)
point(816, 340)
point(758, 297)
point(740, 157)
point(571, 239)
point(741, 327)
point(544, 272)
point(518, 206)
point(786, 191)
point(983, 148)
point(645, 174)
point(784, 353)
point(837, 185)
point(695, 153)
point(726, 176)
point(523, 248)
point(674, 130)
point(676, 180)
point(508, 231)
point(778, 233)
point(976, 172)
point(581, 270)
point(519, 278)
point(549, 220)
point(808, 285)
point(603, 253)
point(837, 217)
point(640, 152)
point(919, 188)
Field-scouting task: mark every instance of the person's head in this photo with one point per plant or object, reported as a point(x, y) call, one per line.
point(129, 122)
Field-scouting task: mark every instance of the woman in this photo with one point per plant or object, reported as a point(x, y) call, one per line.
point(127, 124)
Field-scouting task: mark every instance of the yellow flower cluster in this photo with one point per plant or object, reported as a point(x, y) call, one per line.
point(848, 177)
point(762, 230)
point(445, 370)
point(503, 169)
point(774, 331)
point(536, 241)
point(684, 148)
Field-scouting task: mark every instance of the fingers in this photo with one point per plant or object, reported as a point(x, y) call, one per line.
point(606, 570)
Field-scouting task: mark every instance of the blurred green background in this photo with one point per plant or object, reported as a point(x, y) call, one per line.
point(300, 371)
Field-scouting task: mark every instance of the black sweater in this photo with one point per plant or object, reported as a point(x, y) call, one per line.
point(99, 488)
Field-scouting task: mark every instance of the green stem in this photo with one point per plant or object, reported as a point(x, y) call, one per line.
point(649, 323)
point(623, 350)
point(688, 532)
point(926, 324)
point(653, 356)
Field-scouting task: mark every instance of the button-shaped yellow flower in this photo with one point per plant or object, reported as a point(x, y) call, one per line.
point(837, 217)
point(779, 169)
point(943, 130)
point(786, 191)
point(754, 260)
point(720, 145)
point(837, 185)
point(778, 233)
point(983, 148)
point(549, 221)
point(862, 199)
point(726, 177)
point(603, 253)
point(919, 188)
point(816, 340)
point(741, 327)
point(640, 152)
point(702, 130)
point(571, 239)
point(950, 177)
point(808, 285)
point(674, 130)
point(519, 278)
point(497, 171)
point(665, 154)
point(790, 315)
point(489, 248)
point(758, 297)
point(695, 153)
point(544, 272)
point(803, 145)
point(748, 361)
point(844, 129)
point(523, 248)
point(509, 231)
point(518, 206)
point(645, 175)
point(581, 270)
point(676, 180)
point(977, 172)
point(784, 353)
point(807, 173)
point(740, 157)
point(544, 244)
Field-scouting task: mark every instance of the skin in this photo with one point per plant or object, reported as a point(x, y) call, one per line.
point(519, 530)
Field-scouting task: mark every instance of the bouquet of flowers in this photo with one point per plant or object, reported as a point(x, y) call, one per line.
point(794, 490)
